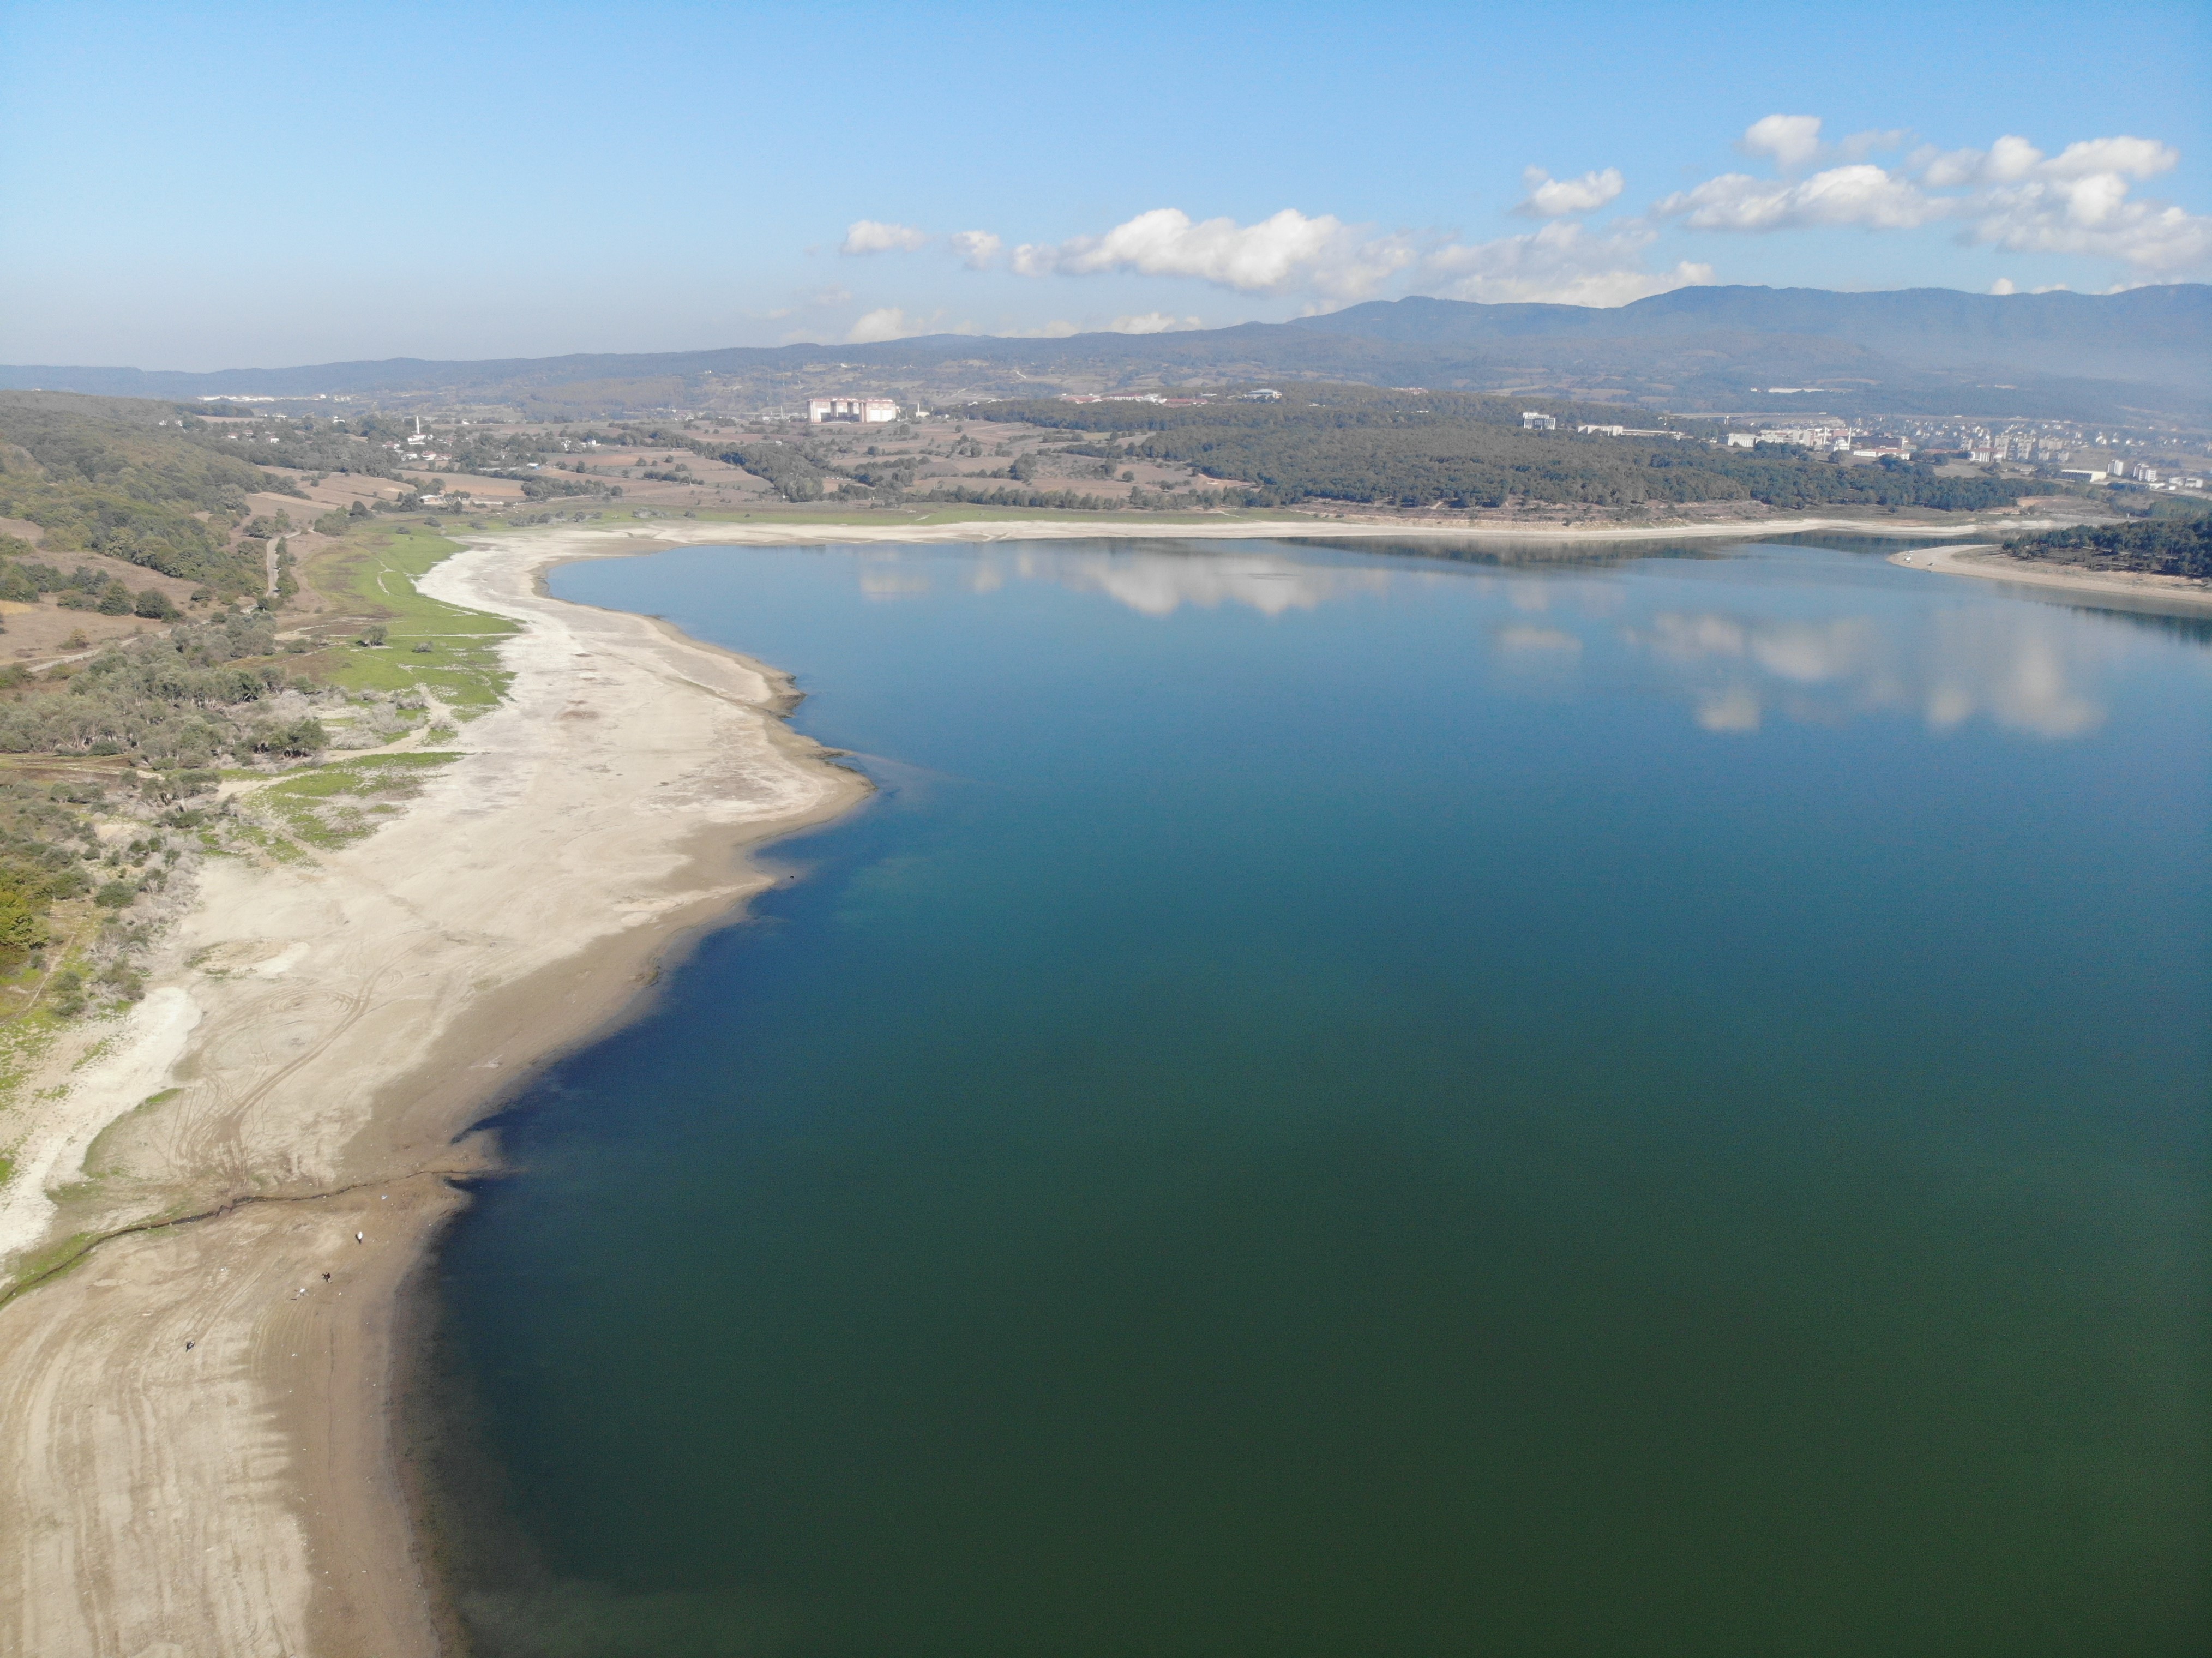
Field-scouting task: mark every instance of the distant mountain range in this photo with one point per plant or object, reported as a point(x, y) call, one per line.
point(2142, 354)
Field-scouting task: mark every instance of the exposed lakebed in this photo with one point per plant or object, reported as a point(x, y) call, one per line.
point(1350, 1104)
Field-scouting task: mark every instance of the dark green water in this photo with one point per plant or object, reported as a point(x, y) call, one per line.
point(1340, 1105)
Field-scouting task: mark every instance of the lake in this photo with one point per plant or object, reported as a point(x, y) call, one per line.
point(1338, 1103)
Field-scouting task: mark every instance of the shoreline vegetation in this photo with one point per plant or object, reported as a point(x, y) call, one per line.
point(220, 1186)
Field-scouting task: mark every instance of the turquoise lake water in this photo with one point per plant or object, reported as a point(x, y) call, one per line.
point(1340, 1104)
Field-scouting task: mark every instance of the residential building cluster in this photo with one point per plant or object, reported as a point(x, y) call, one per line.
point(2158, 477)
point(1160, 397)
point(1631, 431)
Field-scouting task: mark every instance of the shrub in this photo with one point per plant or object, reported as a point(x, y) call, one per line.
point(301, 736)
point(125, 980)
point(22, 922)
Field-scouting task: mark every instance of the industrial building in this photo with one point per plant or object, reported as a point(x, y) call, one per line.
point(868, 411)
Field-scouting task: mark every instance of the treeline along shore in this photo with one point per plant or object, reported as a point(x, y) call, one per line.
point(1358, 445)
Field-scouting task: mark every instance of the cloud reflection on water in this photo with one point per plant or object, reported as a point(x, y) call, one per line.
point(1161, 583)
point(1523, 638)
point(2025, 668)
point(2022, 667)
point(1153, 582)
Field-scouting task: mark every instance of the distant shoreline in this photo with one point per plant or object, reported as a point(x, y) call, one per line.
point(746, 531)
point(1989, 562)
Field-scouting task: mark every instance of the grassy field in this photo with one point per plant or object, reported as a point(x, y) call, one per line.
point(331, 804)
point(448, 650)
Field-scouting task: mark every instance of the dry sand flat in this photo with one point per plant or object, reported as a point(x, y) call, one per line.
point(326, 1031)
point(284, 1105)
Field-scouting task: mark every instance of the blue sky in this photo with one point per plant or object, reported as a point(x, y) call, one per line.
point(222, 186)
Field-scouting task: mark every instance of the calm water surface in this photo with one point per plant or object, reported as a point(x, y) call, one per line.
point(1349, 1105)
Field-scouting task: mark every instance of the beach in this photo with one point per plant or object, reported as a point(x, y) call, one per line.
point(201, 1457)
point(1990, 561)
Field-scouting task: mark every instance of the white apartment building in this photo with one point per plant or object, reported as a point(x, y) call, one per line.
point(1531, 420)
point(1809, 437)
point(868, 411)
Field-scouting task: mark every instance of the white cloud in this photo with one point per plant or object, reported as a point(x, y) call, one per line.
point(2094, 215)
point(2135, 158)
point(887, 323)
point(1152, 322)
point(1562, 263)
point(2004, 285)
point(2013, 158)
point(1552, 198)
point(1791, 140)
point(2011, 195)
point(1794, 142)
point(2075, 201)
point(1285, 251)
point(1148, 322)
point(976, 248)
point(872, 236)
point(1860, 194)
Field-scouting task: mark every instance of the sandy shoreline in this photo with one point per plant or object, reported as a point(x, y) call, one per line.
point(315, 1044)
point(327, 1031)
point(775, 533)
point(1988, 560)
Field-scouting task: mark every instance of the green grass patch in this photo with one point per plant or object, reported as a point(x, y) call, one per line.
point(50, 1262)
point(323, 806)
point(372, 574)
point(283, 851)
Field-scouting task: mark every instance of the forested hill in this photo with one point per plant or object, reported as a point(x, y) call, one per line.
point(2102, 357)
point(1360, 445)
point(2161, 335)
point(130, 479)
